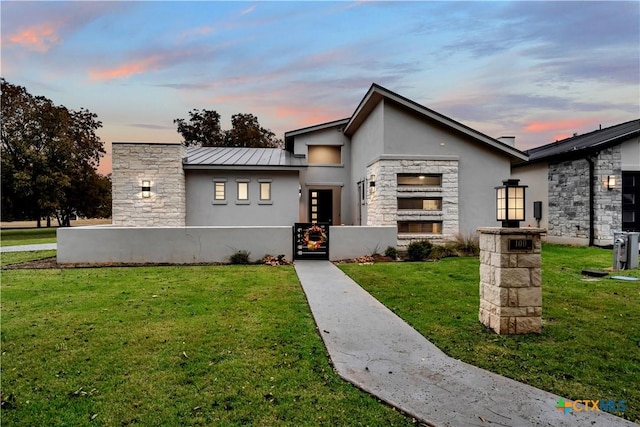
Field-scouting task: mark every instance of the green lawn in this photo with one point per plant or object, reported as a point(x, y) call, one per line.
point(27, 236)
point(168, 346)
point(7, 258)
point(590, 345)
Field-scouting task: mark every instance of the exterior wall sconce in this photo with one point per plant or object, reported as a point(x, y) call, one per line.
point(611, 182)
point(146, 189)
point(372, 184)
point(510, 203)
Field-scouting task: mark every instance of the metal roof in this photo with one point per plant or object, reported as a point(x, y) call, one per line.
point(592, 141)
point(240, 157)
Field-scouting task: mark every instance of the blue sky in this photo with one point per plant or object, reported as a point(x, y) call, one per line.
point(537, 70)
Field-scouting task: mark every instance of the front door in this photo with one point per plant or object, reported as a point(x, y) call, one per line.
point(631, 201)
point(321, 206)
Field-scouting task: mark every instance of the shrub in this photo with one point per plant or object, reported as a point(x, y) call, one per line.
point(391, 252)
point(419, 250)
point(240, 257)
point(442, 251)
point(468, 245)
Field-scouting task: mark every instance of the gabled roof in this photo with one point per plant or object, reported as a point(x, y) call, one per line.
point(288, 136)
point(240, 158)
point(589, 142)
point(376, 94)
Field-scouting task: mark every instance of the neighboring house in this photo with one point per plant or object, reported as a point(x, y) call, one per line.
point(393, 162)
point(588, 185)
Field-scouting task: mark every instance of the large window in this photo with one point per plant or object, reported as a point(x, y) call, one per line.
point(325, 154)
point(419, 180)
point(419, 227)
point(420, 204)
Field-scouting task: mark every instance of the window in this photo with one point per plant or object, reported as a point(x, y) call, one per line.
point(419, 227)
point(325, 154)
point(265, 191)
point(243, 191)
point(219, 191)
point(420, 204)
point(419, 180)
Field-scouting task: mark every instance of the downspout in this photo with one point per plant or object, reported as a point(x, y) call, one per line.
point(592, 227)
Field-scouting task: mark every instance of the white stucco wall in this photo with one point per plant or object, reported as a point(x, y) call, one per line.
point(630, 154)
point(202, 210)
point(187, 245)
point(335, 177)
point(536, 177)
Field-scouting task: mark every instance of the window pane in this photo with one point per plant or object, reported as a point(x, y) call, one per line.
point(419, 180)
point(419, 227)
point(265, 191)
point(420, 204)
point(243, 191)
point(219, 191)
point(325, 154)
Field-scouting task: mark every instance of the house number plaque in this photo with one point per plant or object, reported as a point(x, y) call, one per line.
point(520, 244)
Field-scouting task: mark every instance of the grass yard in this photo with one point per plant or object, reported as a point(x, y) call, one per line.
point(590, 345)
point(7, 258)
point(168, 346)
point(27, 236)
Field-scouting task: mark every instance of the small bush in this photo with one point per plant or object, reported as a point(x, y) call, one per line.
point(419, 250)
point(391, 252)
point(468, 245)
point(240, 257)
point(440, 251)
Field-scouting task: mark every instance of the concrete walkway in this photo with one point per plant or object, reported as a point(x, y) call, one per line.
point(377, 351)
point(29, 248)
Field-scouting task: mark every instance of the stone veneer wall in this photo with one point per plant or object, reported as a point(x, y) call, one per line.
point(383, 203)
point(510, 281)
point(162, 165)
point(569, 198)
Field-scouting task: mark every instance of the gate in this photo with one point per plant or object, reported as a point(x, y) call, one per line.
point(311, 241)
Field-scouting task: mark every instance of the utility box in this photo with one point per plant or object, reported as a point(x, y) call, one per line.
point(625, 250)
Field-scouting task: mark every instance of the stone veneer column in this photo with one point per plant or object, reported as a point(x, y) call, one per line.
point(162, 165)
point(510, 280)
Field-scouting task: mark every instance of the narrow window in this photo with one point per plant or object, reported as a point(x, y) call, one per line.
point(420, 204)
point(419, 227)
point(419, 180)
point(219, 191)
point(265, 191)
point(243, 191)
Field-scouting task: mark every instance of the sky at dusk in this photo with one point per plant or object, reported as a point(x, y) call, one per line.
point(539, 71)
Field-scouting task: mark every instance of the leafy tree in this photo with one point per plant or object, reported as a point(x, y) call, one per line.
point(49, 156)
point(203, 129)
point(247, 132)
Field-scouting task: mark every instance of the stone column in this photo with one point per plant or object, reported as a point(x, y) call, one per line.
point(510, 279)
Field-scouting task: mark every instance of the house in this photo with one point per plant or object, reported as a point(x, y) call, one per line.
point(586, 186)
point(393, 162)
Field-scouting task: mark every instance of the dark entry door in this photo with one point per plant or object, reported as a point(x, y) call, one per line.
point(321, 206)
point(631, 201)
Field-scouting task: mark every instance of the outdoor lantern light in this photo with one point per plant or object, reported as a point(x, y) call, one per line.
point(146, 189)
point(611, 182)
point(372, 184)
point(510, 203)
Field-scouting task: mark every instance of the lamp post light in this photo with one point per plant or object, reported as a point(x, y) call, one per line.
point(510, 202)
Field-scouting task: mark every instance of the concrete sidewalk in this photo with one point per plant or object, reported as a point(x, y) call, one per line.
point(29, 248)
point(377, 351)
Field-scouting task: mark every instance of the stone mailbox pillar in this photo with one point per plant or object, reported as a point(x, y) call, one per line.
point(510, 279)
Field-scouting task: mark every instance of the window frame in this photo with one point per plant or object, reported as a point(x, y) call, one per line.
point(217, 182)
point(268, 183)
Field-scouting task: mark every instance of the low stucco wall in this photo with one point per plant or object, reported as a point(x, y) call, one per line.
point(185, 245)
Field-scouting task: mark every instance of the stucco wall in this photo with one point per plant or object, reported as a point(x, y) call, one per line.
point(161, 164)
point(334, 177)
point(536, 178)
point(183, 245)
point(202, 210)
point(630, 154)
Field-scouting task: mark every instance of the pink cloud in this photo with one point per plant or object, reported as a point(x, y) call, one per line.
point(38, 37)
point(126, 69)
point(556, 125)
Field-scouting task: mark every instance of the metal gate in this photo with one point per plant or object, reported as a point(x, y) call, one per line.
point(310, 241)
